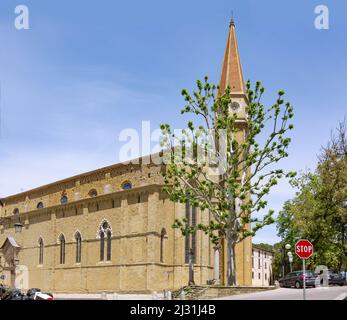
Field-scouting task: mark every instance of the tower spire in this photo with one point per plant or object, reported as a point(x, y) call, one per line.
point(232, 22)
point(232, 74)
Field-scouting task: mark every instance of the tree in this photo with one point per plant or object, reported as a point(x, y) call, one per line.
point(209, 166)
point(318, 211)
point(265, 246)
point(332, 169)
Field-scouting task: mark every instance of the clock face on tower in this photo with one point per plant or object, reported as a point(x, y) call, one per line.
point(235, 106)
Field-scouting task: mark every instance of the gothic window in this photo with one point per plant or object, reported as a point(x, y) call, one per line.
point(78, 239)
point(105, 234)
point(163, 236)
point(92, 193)
point(190, 239)
point(40, 205)
point(102, 246)
point(126, 185)
point(62, 249)
point(16, 211)
point(63, 199)
point(40, 251)
point(109, 243)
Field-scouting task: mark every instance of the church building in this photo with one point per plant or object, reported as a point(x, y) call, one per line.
point(110, 230)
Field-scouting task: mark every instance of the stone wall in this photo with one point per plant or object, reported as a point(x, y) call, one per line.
point(137, 218)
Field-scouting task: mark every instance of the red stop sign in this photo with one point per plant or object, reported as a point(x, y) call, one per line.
point(304, 249)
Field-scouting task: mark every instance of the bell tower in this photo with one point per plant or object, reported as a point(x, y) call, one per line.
point(232, 76)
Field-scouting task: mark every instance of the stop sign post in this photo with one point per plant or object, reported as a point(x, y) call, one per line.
point(304, 250)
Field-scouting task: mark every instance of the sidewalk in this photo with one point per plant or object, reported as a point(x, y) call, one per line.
point(106, 296)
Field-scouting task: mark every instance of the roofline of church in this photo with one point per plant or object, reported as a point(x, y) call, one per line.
point(132, 162)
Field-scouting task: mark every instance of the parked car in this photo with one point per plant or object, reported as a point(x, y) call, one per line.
point(296, 279)
point(336, 278)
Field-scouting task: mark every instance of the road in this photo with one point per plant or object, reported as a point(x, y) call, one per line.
point(330, 293)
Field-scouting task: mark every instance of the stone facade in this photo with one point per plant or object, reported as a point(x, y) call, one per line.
point(140, 219)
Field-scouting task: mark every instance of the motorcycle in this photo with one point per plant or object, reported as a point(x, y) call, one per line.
point(16, 294)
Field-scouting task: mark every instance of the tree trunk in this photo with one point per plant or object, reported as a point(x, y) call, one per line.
point(231, 270)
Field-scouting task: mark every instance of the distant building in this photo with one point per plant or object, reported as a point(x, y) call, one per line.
point(262, 274)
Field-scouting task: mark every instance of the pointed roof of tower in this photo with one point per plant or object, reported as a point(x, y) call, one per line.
point(232, 70)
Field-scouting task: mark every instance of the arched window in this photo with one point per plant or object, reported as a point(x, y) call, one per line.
point(163, 237)
point(64, 199)
point(40, 251)
point(62, 249)
point(102, 246)
point(78, 239)
point(40, 205)
point(16, 212)
point(109, 244)
point(105, 233)
point(126, 185)
point(92, 193)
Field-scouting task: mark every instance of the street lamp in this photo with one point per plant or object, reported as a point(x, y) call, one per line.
point(290, 258)
point(17, 226)
point(286, 247)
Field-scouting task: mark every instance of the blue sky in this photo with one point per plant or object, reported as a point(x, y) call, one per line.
point(85, 70)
